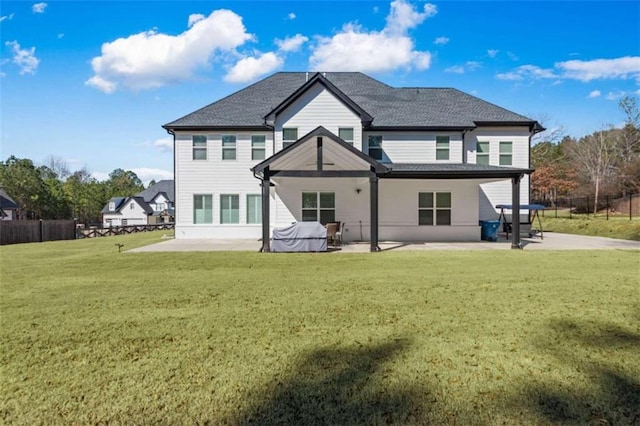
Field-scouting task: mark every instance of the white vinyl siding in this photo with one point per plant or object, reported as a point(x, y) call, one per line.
point(442, 148)
point(318, 107)
point(229, 147)
point(254, 208)
point(202, 208)
point(229, 208)
point(258, 144)
point(346, 134)
point(418, 147)
point(199, 144)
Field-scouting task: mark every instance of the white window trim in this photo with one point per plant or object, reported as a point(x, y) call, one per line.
point(199, 148)
point(289, 141)
point(264, 148)
point(500, 154)
point(194, 209)
point(353, 135)
point(486, 155)
point(378, 147)
point(229, 148)
point(258, 212)
point(447, 149)
point(435, 207)
point(318, 207)
point(221, 207)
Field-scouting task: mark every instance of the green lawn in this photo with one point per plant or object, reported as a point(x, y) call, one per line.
point(599, 226)
point(90, 335)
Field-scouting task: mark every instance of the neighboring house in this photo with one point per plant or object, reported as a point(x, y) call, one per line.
point(8, 207)
point(399, 164)
point(152, 206)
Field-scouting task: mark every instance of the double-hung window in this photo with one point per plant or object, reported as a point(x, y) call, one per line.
point(258, 147)
point(199, 146)
point(506, 153)
point(375, 147)
point(289, 136)
point(482, 153)
point(442, 147)
point(202, 208)
point(254, 208)
point(319, 207)
point(434, 208)
point(228, 147)
point(346, 134)
point(229, 208)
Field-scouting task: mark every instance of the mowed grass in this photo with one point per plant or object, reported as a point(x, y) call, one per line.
point(92, 336)
point(599, 226)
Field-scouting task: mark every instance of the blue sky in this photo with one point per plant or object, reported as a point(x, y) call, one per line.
point(92, 82)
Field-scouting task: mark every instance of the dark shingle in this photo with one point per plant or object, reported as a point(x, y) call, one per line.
point(390, 107)
point(163, 186)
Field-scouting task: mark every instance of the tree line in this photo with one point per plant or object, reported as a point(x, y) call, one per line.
point(604, 162)
point(52, 191)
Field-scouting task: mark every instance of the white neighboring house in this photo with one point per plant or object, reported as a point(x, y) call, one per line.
point(8, 207)
point(399, 164)
point(152, 206)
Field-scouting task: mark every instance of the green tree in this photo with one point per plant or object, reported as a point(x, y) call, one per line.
point(123, 183)
point(23, 181)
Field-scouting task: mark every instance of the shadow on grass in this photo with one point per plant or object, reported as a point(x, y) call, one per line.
point(339, 386)
point(613, 396)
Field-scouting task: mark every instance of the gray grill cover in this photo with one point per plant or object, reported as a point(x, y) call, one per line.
point(301, 236)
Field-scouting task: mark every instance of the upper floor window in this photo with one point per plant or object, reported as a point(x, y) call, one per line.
point(229, 208)
point(434, 208)
point(112, 205)
point(346, 134)
point(258, 147)
point(131, 206)
point(289, 136)
point(228, 147)
point(159, 207)
point(482, 153)
point(199, 147)
point(203, 208)
point(375, 147)
point(506, 153)
point(442, 147)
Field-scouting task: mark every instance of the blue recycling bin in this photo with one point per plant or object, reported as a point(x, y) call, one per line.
point(489, 230)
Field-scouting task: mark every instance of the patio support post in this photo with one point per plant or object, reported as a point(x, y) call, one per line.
point(266, 184)
point(515, 212)
point(373, 184)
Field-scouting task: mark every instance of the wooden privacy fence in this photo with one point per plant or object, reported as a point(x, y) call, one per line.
point(34, 231)
point(122, 230)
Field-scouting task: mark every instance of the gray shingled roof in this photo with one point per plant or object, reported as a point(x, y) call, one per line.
point(389, 106)
point(164, 186)
point(6, 202)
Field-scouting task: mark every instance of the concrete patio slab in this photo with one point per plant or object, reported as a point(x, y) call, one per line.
point(551, 241)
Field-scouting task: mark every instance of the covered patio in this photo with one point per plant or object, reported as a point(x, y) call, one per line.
point(322, 154)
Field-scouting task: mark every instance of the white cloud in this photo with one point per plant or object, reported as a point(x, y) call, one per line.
point(594, 94)
point(492, 52)
point(146, 174)
point(39, 7)
point(456, 69)
point(291, 16)
point(356, 49)
point(461, 69)
point(162, 144)
point(291, 44)
point(527, 71)
point(596, 69)
point(585, 71)
point(6, 17)
point(512, 56)
point(100, 176)
point(150, 59)
point(250, 68)
point(441, 40)
point(24, 58)
point(195, 18)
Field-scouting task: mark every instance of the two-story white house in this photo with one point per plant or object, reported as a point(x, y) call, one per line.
point(153, 205)
point(396, 164)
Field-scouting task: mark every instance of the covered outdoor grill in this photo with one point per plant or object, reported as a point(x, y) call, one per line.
point(300, 237)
